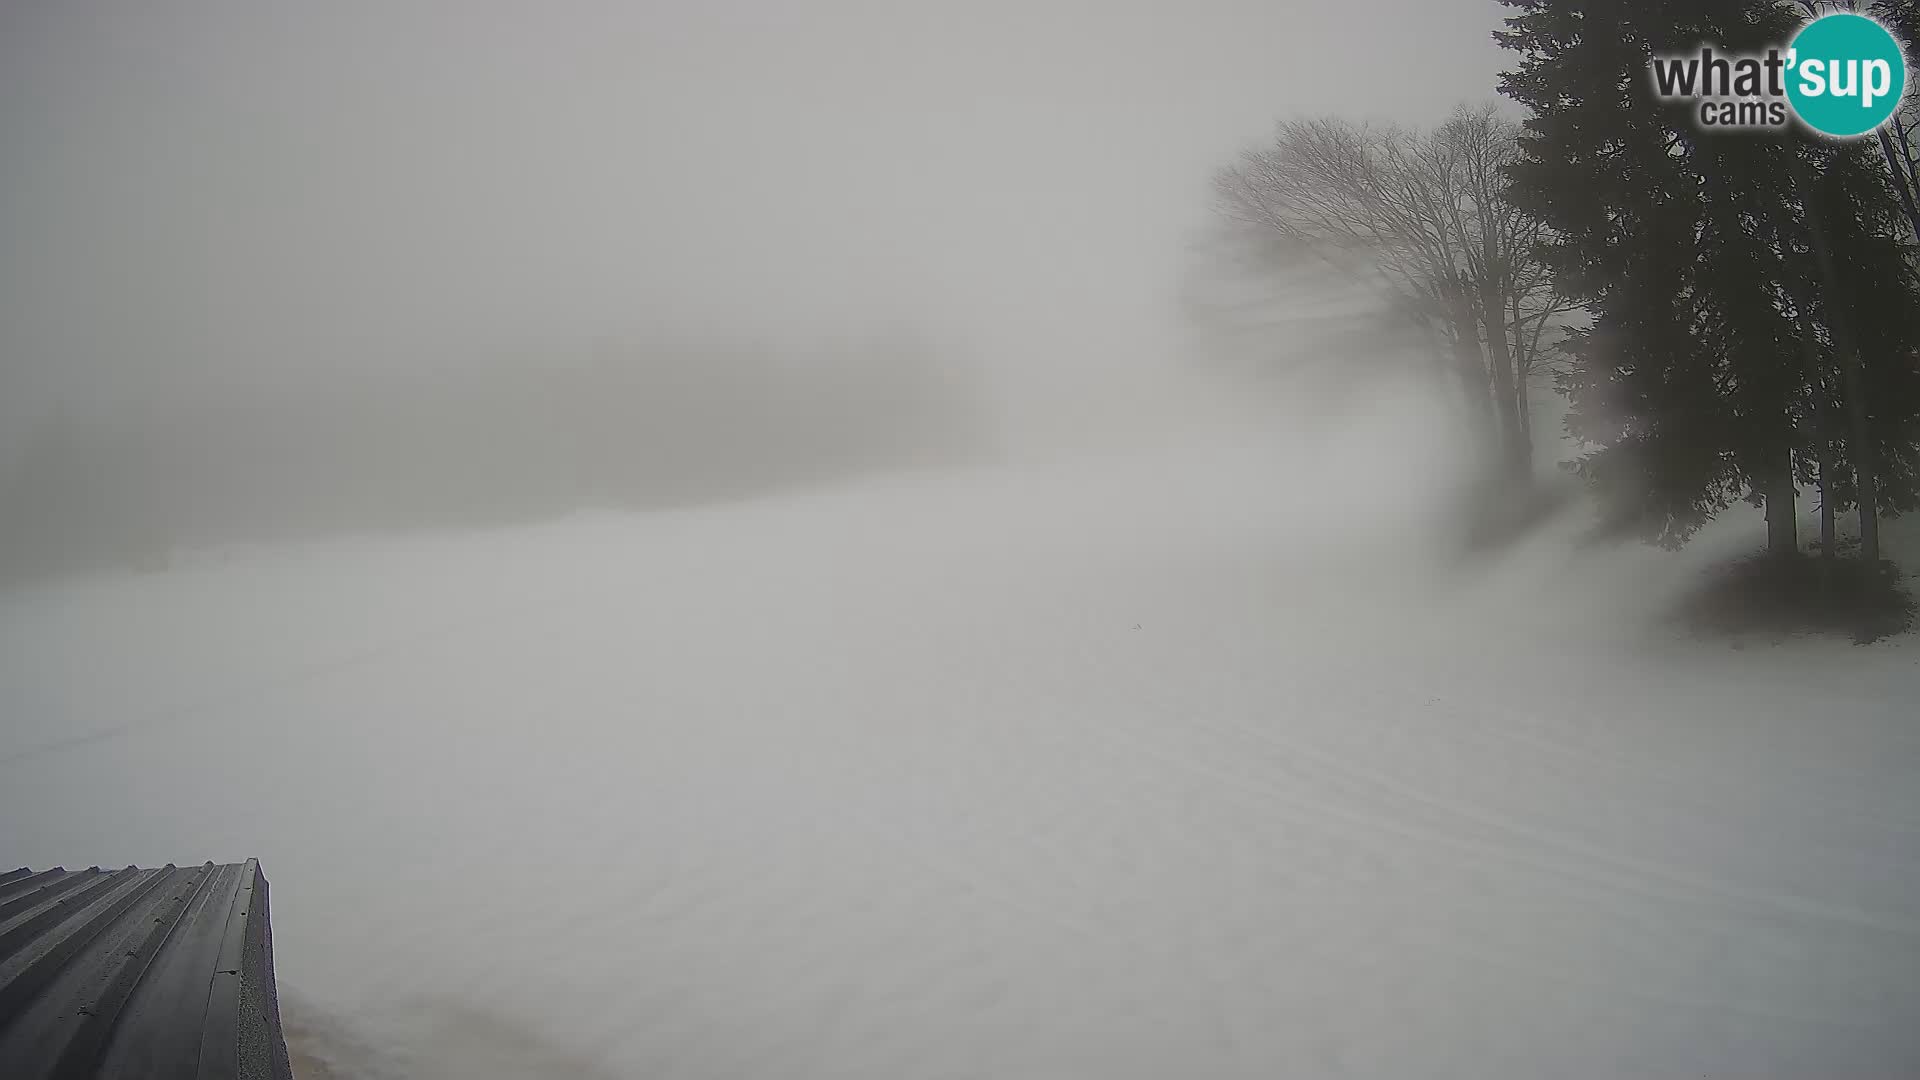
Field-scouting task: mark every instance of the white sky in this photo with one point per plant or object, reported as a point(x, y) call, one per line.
point(198, 196)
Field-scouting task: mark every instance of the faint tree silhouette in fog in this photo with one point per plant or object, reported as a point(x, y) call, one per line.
point(1421, 218)
point(654, 423)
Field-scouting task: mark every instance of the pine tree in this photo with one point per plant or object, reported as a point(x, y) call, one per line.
point(1643, 225)
point(1868, 302)
point(1751, 294)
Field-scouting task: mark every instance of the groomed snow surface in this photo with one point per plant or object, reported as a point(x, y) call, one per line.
point(1179, 763)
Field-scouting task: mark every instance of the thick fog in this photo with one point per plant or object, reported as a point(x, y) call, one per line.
point(359, 254)
point(750, 539)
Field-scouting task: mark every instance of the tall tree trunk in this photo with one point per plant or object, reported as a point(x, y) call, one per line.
point(1783, 526)
point(1471, 370)
point(1904, 141)
point(1522, 361)
point(1500, 371)
point(1481, 416)
point(1902, 181)
point(1523, 409)
point(1853, 385)
point(1492, 373)
point(1473, 388)
point(1827, 552)
point(1822, 440)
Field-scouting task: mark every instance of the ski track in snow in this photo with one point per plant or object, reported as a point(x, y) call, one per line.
point(1103, 769)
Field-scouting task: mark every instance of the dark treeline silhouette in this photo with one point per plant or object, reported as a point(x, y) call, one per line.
point(646, 426)
point(1730, 316)
point(1755, 316)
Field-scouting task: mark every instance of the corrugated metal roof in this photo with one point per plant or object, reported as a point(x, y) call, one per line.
point(138, 973)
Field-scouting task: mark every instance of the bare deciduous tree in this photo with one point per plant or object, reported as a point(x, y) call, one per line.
point(1420, 217)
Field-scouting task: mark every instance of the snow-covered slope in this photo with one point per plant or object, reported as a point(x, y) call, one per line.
point(1113, 767)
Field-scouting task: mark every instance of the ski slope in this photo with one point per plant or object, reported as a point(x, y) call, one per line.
point(1116, 766)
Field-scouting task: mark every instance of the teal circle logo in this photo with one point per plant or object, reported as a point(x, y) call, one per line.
point(1846, 75)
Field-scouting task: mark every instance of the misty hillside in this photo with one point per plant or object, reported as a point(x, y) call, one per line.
point(643, 426)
